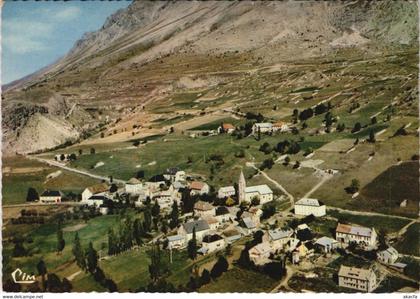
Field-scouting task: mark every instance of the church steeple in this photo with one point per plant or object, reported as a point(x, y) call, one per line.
point(241, 188)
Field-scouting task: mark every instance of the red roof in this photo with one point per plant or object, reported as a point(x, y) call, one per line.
point(197, 185)
point(228, 127)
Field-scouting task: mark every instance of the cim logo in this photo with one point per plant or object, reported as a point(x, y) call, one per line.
point(21, 277)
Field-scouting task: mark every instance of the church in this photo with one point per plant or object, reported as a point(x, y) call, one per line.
point(246, 194)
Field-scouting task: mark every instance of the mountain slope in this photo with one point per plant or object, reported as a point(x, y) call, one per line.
point(142, 52)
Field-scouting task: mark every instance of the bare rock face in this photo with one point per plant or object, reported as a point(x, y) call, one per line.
point(113, 69)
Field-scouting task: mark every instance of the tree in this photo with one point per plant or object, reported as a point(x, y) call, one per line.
point(32, 195)
point(60, 240)
point(19, 250)
point(92, 151)
point(80, 152)
point(78, 252)
point(255, 201)
point(140, 174)
point(205, 277)
point(286, 160)
point(174, 215)
point(138, 231)
point(156, 267)
point(192, 246)
point(371, 137)
point(297, 165)
point(147, 222)
point(72, 157)
point(156, 209)
point(221, 266)
point(42, 271)
point(62, 157)
point(357, 127)
point(354, 186)
point(113, 188)
point(92, 258)
point(230, 202)
point(373, 120)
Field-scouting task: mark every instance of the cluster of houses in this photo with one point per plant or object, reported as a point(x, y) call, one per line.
point(256, 128)
point(215, 227)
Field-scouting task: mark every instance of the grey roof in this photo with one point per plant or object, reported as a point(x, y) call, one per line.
point(277, 234)
point(199, 226)
point(98, 197)
point(175, 238)
point(309, 202)
point(248, 223)
point(325, 241)
point(211, 238)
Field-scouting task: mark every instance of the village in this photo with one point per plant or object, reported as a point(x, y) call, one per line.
point(205, 221)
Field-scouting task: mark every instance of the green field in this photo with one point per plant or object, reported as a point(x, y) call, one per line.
point(238, 280)
point(410, 241)
point(390, 224)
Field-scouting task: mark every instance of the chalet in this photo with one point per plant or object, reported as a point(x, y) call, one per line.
point(98, 189)
point(357, 278)
point(204, 209)
point(201, 229)
point(95, 200)
point(226, 192)
point(222, 214)
point(177, 241)
point(226, 128)
point(278, 237)
point(199, 188)
point(346, 233)
point(262, 127)
point(133, 186)
point(280, 127)
point(231, 235)
point(247, 225)
point(212, 243)
point(260, 253)
point(262, 192)
point(325, 244)
point(388, 256)
point(310, 206)
point(50, 196)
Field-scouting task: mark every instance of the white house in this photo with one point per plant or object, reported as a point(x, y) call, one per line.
point(177, 241)
point(278, 238)
point(262, 192)
point(201, 229)
point(260, 253)
point(247, 226)
point(357, 278)
point(226, 192)
point(226, 128)
point(212, 243)
point(326, 244)
point(50, 196)
point(95, 200)
point(262, 127)
point(346, 233)
point(98, 189)
point(199, 188)
point(388, 256)
point(180, 176)
point(213, 223)
point(310, 206)
point(204, 209)
point(134, 186)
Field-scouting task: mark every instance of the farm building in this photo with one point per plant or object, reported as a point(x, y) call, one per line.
point(50, 196)
point(98, 189)
point(346, 233)
point(388, 256)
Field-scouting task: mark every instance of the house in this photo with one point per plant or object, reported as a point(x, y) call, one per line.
point(180, 176)
point(222, 214)
point(212, 243)
point(50, 196)
point(262, 127)
point(346, 233)
point(226, 192)
point(95, 200)
point(260, 253)
point(177, 241)
point(201, 227)
point(231, 235)
point(256, 214)
point(304, 249)
point(173, 174)
point(204, 209)
point(310, 206)
point(326, 244)
point(98, 189)
point(278, 237)
point(388, 256)
point(213, 223)
point(226, 128)
point(247, 225)
point(357, 278)
point(103, 209)
point(133, 186)
point(199, 188)
point(262, 192)
point(280, 127)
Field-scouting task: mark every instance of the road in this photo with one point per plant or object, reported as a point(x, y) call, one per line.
point(324, 179)
point(82, 172)
point(369, 213)
point(285, 281)
point(291, 198)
